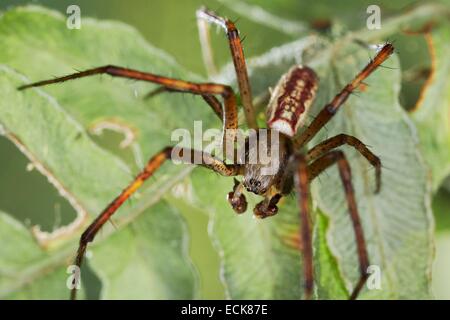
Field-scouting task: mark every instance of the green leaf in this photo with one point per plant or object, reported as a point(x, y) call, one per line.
point(147, 258)
point(269, 14)
point(441, 266)
point(32, 274)
point(298, 18)
point(330, 284)
point(432, 112)
point(54, 126)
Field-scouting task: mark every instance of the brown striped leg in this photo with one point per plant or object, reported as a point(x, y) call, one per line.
point(237, 53)
point(153, 164)
point(205, 89)
point(215, 105)
point(156, 92)
point(341, 139)
point(330, 109)
point(314, 170)
point(301, 182)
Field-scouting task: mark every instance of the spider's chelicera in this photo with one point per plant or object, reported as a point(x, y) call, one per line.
point(295, 168)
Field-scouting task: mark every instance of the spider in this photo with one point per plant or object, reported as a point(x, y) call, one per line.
point(286, 110)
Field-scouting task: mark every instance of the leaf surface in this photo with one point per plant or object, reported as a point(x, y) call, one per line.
point(432, 112)
point(55, 127)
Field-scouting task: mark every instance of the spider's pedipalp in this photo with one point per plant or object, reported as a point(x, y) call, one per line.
point(237, 199)
point(267, 207)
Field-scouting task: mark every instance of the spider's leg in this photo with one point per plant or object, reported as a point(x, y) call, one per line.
point(185, 155)
point(314, 169)
point(341, 139)
point(301, 183)
point(331, 108)
point(237, 53)
point(156, 92)
point(229, 113)
point(215, 104)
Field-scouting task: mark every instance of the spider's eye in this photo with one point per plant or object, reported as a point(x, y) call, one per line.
point(254, 182)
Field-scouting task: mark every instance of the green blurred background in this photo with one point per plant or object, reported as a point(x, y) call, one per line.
point(171, 26)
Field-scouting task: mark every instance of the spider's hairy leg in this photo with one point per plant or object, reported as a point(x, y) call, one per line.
point(183, 154)
point(341, 139)
point(229, 112)
point(215, 105)
point(237, 54)
point(301, 183)
point(331, 108)
point(314, 169)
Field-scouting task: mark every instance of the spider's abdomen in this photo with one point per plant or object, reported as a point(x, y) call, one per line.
point(291, 99)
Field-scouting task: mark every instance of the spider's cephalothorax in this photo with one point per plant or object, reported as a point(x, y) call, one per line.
point(289, 166)
point(265, 160)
